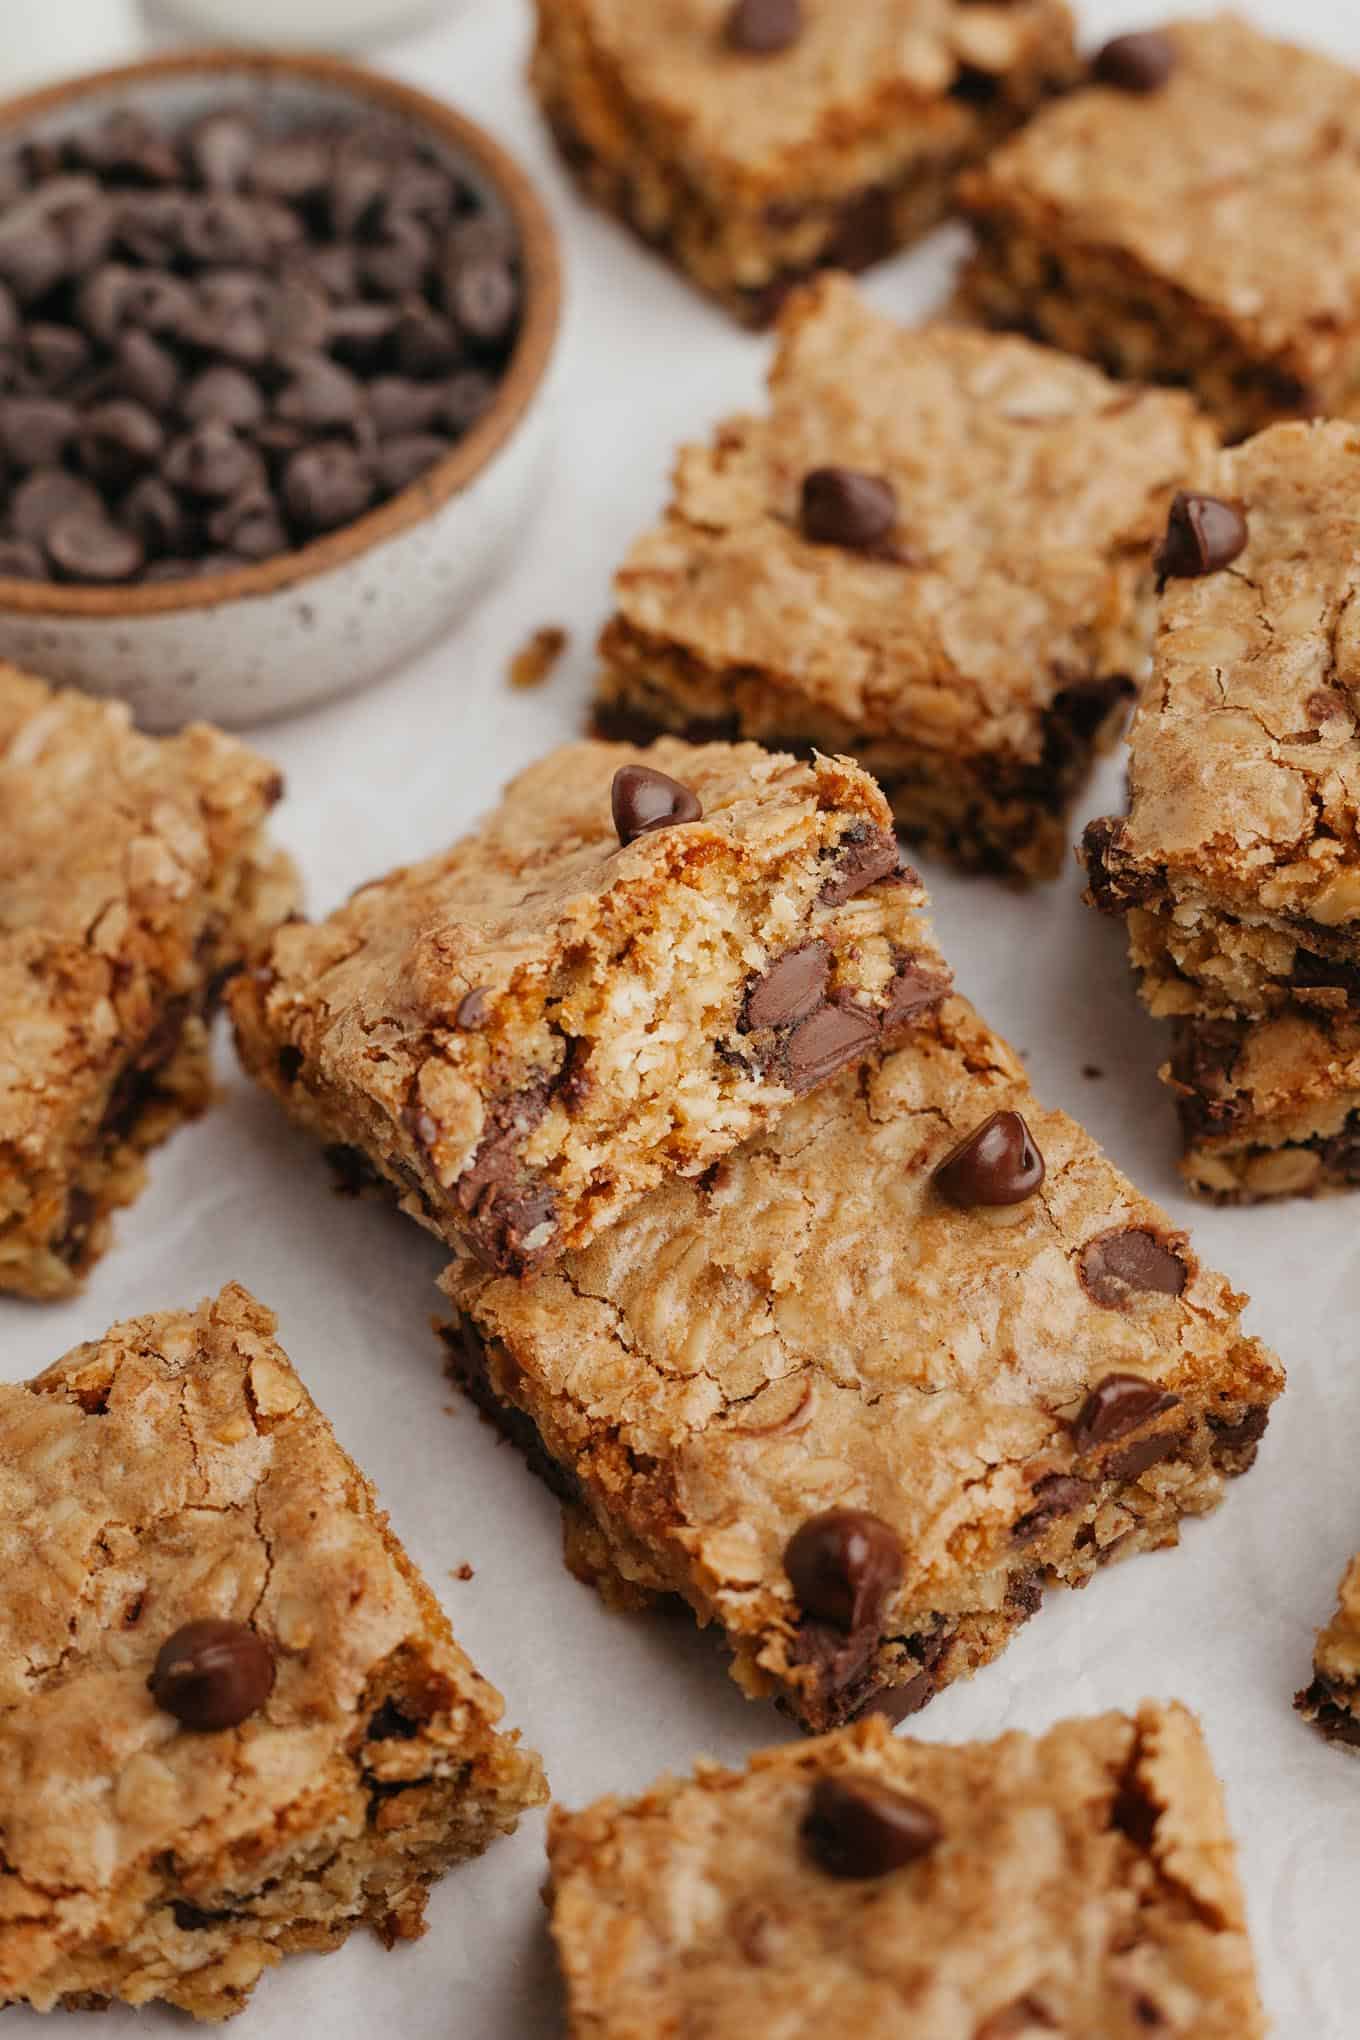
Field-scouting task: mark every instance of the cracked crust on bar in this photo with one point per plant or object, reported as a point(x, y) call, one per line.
point(752, 172)
point(1333, 1698)
point(135, 874)
point(811, 1326)
point(1084, 1882)
point(1238, 863)
point(978, 668)
point(527, 1033)
point(1268, 1108)
point(175, 1470)
point(1201, 233)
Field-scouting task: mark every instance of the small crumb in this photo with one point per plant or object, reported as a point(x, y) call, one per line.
point(533, 663)
point(463, 1572)
point(1092, 1070)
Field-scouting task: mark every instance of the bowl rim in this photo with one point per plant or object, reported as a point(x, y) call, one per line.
point(450, 475)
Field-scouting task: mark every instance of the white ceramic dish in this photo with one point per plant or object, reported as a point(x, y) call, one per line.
point(267, 640)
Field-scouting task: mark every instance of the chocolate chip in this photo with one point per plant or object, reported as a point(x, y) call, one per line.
point(211, 462)
point(857, 1827)
point(36, 431)
point(156, 514)
point(1135, 1459)
point(484, 301)
point(21, 561)
point(842, 507)
point(790, 989)
point(82, 547)
point(54, 354)
point(843, 1566)
point(117, 440)
point(424, 342)
point(473, 1010)
point(399, 462)
point(467, 399)
point(295, 168)
point(359, 333)
point(862, 858)
point(398, 265)
point(827, 1042)
point(1135, 63)
point(1119, 1403)
point(998, 1163)
point(1118, 1266)
point(326, 485)
point(642, 800)
point(250, 524)
point(761, 28)
point(224, 394)
point(1203, 534)
point(146, 371)
point(213, 1674)
point(399, 406)
point(44, 496)
point(1055, 1496)
point(289, 1063)
point(320, 393)
point(220, 148)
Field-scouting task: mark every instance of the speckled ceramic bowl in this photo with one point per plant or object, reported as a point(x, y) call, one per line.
point(266, 640)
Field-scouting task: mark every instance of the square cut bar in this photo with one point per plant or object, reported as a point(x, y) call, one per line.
point(527, 1033)
point(1333, 1698)
point(751, 169)
point(1001, 1397)
point(135, 874)
point(176, 1472)
point(1083, 1882)
point(1200, 232)
point(1269, 1108)
point(978, 657)
point(1237, 866)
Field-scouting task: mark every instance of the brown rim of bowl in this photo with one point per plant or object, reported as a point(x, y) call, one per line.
point(411, 505)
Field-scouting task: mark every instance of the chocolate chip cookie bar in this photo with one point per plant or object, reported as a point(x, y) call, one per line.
point(933, 552)
point(1333, 1698)
point(1189, 218)
point(1236, 867)
point(1269, 1108)
point(134, 874)
point(754, 141)
point(233, 1721)
point(859, 1393)
point(637, 961)
point(1083, 1882)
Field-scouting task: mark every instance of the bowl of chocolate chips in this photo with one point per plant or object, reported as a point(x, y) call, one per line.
point(275, 335)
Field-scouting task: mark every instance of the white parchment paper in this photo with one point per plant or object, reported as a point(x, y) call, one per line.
point(1225, 1623)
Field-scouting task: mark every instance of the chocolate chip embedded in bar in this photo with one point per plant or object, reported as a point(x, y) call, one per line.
point(1332, 1700)
point(968, 626)
point(218, 335)
point(135, 876)
point(856, 1401)
point(867, 1871)
point(746, 139)
point(636, 962)
point(1268, 1108)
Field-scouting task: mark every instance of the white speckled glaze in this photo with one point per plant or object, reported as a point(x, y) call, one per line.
point(266, 641)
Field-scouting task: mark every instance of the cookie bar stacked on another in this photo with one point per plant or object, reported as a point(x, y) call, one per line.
point(1083, 1882)
point(1237, 867)
point(233, 1721)
point(635, 962)
point(933, 552)
point(1189, 218)
point(860, 1392)
point(135, 875)
point(757, 140)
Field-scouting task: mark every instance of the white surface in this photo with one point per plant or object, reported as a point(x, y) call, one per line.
point(1225, 1623)
point(42, 42)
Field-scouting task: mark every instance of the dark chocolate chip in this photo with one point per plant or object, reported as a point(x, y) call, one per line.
point(1135, 1459)
point(914, 989)
point(790, 989)
point(211, 461)
point(642, 800)
point(399, 462)
point(36, 431)
point(1135, 63)
point(1203, 534)
point(843, 1566)
point(398, 264)
point(389, 1724)
point(220, 148)
point(224, 394)
point(321, 393)
point(468, 397)
point(44, 496)
point(1118, 1266)
point(20, 560)
point(1341, 1154)
point(483, 300)
point(424, 342)
point(399, 406)
point(299, 320)
point(295, 168)
point(997, 1164)
point(857, 1827)
point(82, 547)
point(117, 440)
point(54, 354)
point(358, 333)
point(841, 506)
point(289, 1062)
point(145, 371)
point(1055, 1496)
point(326, 485)
point(761, 28)
point(473, 1010)
point(862, 858)
point(156, 514)
point(250, 524)
point(213, 1674)
point(1119, 1403)
point(826, 1042)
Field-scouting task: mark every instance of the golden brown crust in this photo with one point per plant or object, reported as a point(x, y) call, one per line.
point(812, 1326)
point(172, 1471)
point(1084, 1882)
point(611, 1037)
point(134, 874)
